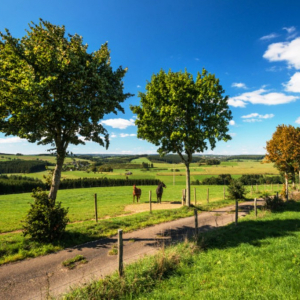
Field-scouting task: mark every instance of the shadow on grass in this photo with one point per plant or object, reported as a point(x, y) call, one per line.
point(253, 232)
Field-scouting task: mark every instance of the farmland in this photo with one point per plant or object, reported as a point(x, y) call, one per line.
point(113, 201)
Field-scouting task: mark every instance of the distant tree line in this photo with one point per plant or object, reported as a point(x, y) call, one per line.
point(21, 184)
point(23, 166)
point(104, 182)
point(248, 157)
point(210, 161)
point(248, 179)
point(170, 159)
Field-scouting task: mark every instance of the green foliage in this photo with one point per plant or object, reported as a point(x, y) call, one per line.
point(18, 184)
point(52, 91)
point(183, 116)
point(23, 166)
point(236, 190)
point(273, 203)
point(222, 179)
point(251, 179)
point(46, 220)
point(170, 158)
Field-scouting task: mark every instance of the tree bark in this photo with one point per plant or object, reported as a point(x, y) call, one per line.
point(286, 187)
point(56, 176)
point(188, 187)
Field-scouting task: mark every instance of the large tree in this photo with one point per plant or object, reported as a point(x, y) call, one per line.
point(284, 150)
point(183, 116)
point(52, 91)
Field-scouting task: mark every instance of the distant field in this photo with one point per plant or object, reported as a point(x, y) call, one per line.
point(141, 160)
point(111, 201)
point(164, 171)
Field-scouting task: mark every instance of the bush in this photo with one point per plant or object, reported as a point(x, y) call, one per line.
point(236, 190)
point(273, 203)
point(46, 220)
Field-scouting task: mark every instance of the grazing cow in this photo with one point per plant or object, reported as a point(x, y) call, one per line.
point(136, 193)
point(159, 191)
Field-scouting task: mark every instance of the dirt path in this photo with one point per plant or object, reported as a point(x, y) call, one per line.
point(39, 277)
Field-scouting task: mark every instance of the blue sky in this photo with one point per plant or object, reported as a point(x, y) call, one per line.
point(253, 47)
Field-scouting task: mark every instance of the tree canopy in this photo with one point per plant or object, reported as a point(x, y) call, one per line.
point(182, 115)
point(52, 91)
point(284, 150)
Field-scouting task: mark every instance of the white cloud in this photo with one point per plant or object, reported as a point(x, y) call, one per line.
point(260, 96)
point(113, 135)
point(294, 84)
point(239, 85)
point(269, 36)
point(12, 140)
point(298, 121)
point(126, 134)
point(256, 115)
point(286, 51)
point(289, 29)
point(231, 122)
point(119, 123)
point(252, 120)
point(232, 134)
point(138, 86)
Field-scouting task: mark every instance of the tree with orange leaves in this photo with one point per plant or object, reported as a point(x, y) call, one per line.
point(284, 150)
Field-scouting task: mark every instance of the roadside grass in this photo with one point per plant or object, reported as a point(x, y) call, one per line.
point(258, 259)
point(111, 201)
point(73, 262)
point(13, 246)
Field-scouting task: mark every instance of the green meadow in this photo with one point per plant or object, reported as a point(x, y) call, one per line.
point(258, 259)
point(113, 200)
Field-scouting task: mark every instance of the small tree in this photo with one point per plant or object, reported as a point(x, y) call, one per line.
point(284, 150)
point(236, 190)
point(46, 221)
point(183, 116)
point(52, 91)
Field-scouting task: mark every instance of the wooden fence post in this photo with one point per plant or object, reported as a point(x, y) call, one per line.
point(120, 252)
point(224, 192)
point(236, 212)
point(196, 222)
point(96, 208)
point(255, 207)
point(251, 189)
point(195, 196)
point(207, 195)
point(150, 202)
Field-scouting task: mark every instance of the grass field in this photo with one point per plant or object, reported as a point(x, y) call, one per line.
point(111, 201)
point(258, 259)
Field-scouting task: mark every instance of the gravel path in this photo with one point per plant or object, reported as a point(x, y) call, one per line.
point(37, 278)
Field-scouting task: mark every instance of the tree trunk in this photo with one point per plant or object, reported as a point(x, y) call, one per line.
point(56, 176)
point(188, 188)
point(286, 187)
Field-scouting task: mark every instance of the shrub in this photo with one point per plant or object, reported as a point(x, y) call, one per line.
point(46, 220)
point(236, 190)
point(273, 203)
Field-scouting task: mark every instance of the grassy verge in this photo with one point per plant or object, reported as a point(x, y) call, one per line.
point(14, 246)
point(258, 259)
